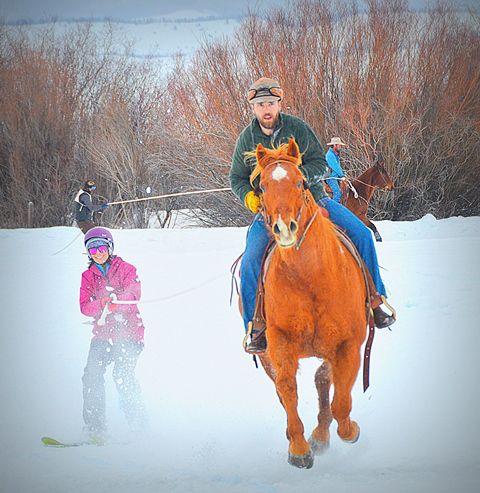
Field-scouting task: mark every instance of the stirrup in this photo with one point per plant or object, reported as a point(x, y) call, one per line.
point(384, 320)
point(257, 345)
point(390, 307)
point(258, 341)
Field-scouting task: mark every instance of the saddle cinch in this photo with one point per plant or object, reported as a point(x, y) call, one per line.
point(257, 327)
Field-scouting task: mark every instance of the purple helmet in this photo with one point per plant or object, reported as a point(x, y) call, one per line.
point(98, 236)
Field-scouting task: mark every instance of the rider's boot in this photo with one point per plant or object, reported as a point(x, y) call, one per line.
point(257, 344)
point(381, 318)
point(258, 341)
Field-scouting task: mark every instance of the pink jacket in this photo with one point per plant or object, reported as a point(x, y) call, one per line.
point(125, 322)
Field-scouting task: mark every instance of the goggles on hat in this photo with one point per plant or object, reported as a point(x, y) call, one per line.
point(265, 91)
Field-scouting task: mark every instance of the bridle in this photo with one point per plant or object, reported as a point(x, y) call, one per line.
point(385, 179)
point(306, 199)
point(357, 196)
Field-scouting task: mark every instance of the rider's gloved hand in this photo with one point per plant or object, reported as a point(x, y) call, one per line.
point(252, 202)
point(105, 301)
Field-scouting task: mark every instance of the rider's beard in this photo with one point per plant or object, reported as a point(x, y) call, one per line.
point(269, 124)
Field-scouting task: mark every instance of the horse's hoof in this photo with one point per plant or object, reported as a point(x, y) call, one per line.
point(354, 435)
point(317, 446)
point(301, 461)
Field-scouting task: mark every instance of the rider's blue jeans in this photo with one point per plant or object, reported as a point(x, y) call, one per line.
point(258, 237)
point(335, 187)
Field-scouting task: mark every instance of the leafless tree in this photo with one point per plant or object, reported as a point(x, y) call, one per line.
point(396, 85)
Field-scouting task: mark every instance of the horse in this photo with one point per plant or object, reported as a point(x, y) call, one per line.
point(314, 303)
point(375, 178)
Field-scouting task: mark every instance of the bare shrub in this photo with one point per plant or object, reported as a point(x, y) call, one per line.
point(398, 86)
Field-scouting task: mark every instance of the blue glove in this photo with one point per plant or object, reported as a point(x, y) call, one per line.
point(104, 206)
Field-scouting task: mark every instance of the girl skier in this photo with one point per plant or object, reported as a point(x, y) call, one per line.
point(117, 333)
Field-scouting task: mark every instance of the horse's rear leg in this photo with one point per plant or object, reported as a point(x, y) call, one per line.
point(320, 438)
point(299, 453)
point(344, 373)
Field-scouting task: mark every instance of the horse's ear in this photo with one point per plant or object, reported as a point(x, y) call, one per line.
point(260, 153)
point(293, 149)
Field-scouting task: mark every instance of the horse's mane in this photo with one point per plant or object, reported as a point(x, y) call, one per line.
point(376, 169)
point(279, 153)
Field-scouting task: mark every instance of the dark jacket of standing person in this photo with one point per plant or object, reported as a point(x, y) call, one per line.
point(84, 207)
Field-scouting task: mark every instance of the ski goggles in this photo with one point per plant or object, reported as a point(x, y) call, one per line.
point(265, 92)
point(98, 249)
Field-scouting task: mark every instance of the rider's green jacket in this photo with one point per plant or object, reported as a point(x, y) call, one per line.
point(313, 167)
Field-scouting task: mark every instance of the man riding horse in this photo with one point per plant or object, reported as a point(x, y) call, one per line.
point(271, 128)
point(336, 172)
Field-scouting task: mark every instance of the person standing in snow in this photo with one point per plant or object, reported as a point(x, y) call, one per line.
point(336, 172)
point(84, 208)
point(118, 333)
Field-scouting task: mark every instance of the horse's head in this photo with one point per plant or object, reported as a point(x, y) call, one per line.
point(283, 191)
point(383, 181)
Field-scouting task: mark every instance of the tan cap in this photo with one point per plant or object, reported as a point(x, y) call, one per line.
point(336, 140)
point(264, 90)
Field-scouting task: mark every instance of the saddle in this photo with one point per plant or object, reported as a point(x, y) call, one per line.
point(344, 187)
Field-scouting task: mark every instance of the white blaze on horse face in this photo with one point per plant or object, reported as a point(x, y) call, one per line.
point(279, 173)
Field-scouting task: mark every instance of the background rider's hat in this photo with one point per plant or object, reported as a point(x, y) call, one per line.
point(264, 90)
point(89, 186)
point(336, 140)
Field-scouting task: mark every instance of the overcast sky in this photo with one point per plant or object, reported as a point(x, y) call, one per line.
point(38, 9)
point(34, 9)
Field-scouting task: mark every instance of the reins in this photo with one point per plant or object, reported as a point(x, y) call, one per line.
point(372, 186)
point(305, 231)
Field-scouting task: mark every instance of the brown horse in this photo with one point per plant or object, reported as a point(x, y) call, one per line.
point(314, 303)
point(375, 178)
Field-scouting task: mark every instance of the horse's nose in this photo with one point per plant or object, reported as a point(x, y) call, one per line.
point(293, 226)
point(284, 232)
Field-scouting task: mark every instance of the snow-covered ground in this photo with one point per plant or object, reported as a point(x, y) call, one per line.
point(217, 425)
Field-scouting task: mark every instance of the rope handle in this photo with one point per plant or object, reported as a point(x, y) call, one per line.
point(178, 194)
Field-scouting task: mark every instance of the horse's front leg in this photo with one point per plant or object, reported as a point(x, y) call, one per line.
point(267, 365)
point(344, 373)
point(285, 368)
point(320, 438)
